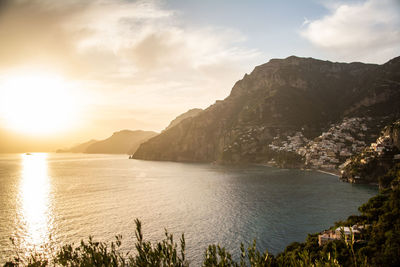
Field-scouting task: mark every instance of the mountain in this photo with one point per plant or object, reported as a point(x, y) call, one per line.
point(122, 142)
point(80, 148)
point(188, 114)
point(290, 102)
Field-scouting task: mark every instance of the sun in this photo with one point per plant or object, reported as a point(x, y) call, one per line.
point(36, 103)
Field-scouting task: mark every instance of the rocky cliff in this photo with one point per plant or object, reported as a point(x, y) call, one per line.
point(293, 98)
point(122, 142)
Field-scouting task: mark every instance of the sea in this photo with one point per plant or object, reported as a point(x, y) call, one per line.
point(48, 200)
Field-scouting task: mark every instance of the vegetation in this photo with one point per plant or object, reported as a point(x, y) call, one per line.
point(164, 253)
point(288, 159)
point(91, 253)
point(379, 244)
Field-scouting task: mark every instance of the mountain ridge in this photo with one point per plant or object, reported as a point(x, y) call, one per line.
point(120, 142)
point(279, 98)
point(188, 114)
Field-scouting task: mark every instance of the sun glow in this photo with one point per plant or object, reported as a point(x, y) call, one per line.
point(37, 103)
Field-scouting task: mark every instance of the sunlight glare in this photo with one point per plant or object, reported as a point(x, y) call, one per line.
point(34, 199)
point(38, 103)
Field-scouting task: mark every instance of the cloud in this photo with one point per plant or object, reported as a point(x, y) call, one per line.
point(158, 61)
point(368, 31)
point(113, 39)
point(31, 32)
point(134, 55)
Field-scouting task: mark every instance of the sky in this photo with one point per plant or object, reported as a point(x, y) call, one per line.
point(121, 64)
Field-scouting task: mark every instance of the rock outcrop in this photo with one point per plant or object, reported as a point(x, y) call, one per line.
point(282, 98)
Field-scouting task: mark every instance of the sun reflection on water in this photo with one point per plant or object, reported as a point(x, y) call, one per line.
point(34, 191)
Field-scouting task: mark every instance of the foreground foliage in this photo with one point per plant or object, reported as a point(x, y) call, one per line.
point(164, 253)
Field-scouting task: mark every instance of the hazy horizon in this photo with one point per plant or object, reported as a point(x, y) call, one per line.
point(72, 71)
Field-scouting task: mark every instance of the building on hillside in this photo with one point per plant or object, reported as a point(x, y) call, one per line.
point(326, 236)
point(340, 233)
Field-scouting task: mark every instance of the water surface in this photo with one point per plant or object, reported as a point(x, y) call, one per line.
point(57, 198)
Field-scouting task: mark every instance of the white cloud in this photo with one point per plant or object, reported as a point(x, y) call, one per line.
point(368, 31)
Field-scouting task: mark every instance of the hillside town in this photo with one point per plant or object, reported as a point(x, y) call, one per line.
point(376, 158)
point(330, 149)
point(342, 232)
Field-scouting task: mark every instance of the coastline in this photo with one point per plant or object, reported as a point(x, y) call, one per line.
point(332, 172)
point(326, 172)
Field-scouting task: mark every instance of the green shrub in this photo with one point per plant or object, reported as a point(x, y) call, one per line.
point(91, 253)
